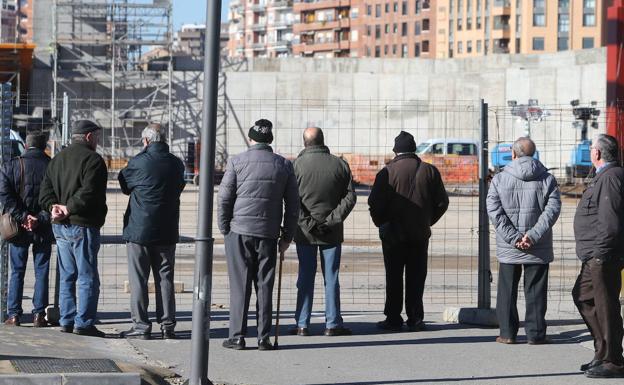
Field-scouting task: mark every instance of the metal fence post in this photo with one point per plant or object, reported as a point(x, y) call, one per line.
point(484, 297)
point(202, 287)
point(6, 122)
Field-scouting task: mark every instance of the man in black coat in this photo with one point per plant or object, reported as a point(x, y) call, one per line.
point(154, 179)
point(407, 198)
point(599, 234)
point(19, 193)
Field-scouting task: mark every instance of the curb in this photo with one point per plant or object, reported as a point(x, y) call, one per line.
point(71, 379)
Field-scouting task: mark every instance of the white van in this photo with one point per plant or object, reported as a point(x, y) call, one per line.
point(448, 146)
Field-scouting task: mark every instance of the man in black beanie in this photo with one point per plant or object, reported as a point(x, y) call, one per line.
point(407, 198)
point(73, 190)
point(257, 190)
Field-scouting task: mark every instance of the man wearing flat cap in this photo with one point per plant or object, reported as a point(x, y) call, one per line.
point(258, 190)
point(407, 198)
point(73, 190)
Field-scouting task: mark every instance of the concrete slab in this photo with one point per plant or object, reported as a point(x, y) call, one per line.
point(101, 379)
point(31, 379)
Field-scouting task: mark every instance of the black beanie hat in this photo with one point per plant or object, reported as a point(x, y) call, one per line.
point(261, 131)
point(85, 127)
point(404, 142)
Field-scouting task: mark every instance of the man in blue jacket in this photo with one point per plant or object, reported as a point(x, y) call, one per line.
point(257, 190)
point(19, 193)
point(154, 179)
point(523, 204)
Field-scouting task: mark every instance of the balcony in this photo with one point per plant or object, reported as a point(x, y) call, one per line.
point(258, 27)
point(258, 46)
point(501, 7)
point(322, 25)
point(309, 5)
point(258, 7)
point(282, 24)
point(280, 45)
point(504, 33)
point(281, 4)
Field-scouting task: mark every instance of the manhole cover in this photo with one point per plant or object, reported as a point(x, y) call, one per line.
point(65, 366)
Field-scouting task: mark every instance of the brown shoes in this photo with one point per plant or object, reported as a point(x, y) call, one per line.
point(297, 331)
point(506, 341)
point(13, 321)
point(39, 321)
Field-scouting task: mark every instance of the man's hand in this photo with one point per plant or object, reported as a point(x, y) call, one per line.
point(282, 246)
point(525, 243)
point(59, 212)
point(30, 222)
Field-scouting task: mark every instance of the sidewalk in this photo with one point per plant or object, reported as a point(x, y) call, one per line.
point(445, 353)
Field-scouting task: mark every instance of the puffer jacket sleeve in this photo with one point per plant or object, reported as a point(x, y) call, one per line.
point(291, 204)
point(550, 214)
point(226, 198)
point(9, 198)
point(610, 207)
point(499, 218)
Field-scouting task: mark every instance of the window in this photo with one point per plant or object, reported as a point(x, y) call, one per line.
point(461, 149)
point(417, 49)
point(469, 46)
point(404, 50)
point(404, 8)
point(377, 31)
point(539, 13)
point(425, 24)
point(588, 42)
point(478, 23)
point(425, 4)
point(479, 46)
point(378, 10)
point(395, 28)
point(450, 50)
point(385, 50)
point(562, 44)
point(387, 29)
point(417, 6)
point(403, 29)
point(425, 46)
point(459, 24)
point(469, 23)
point(368, 30)
point(589, 19)
point(538, 43)
point(563, 25)
point(564, 4)
point(368, 51)
point(438, 148)
point(354, 13)
point(396, 7)
point(460, 47)
point(387, 8)
point(377, 51)
point(394, 50)
point(417, 28)
point(369, 10)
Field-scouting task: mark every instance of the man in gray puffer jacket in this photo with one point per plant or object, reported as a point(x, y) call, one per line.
point(258, 186)
point(523, 203)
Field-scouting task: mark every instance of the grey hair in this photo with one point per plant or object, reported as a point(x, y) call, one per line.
point(36, 140)
point(152, 133)
point(523, 146)
point(608, 147)
point(81, 138)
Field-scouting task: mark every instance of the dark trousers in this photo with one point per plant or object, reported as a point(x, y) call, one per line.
point(250, 260)
point(161, 260)
point(596, 295)
point(411, 257)
point(535, 291)
point(18, 255)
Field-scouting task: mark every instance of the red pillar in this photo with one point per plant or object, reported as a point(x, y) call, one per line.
point(614, 33)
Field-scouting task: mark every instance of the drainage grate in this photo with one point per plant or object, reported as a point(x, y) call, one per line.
point(65, 366)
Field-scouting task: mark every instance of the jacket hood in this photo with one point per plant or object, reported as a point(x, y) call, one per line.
point(525, 168)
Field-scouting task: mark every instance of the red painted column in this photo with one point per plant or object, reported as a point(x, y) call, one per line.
point(614, 33)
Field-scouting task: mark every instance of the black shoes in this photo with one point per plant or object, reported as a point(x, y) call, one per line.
point(590, 365)
point(297, 331)
point(416, 326)
point(603, 371)
point(390, 326)
point(265, 344)
point(90, 331)
point(543, 341)
point(339, 331)
point(67, 328)
point(135, 333)
point(234, 343)
point(168, 334)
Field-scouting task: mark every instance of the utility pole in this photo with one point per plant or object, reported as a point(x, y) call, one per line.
point(202, 287)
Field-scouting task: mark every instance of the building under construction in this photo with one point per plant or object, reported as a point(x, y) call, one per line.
point(100, 51)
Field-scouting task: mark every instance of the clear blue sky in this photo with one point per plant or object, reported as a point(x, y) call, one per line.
point(194, 12)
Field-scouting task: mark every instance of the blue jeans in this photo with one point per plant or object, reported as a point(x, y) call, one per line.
point(330, 265)
point(18, 255)
point(77, 248)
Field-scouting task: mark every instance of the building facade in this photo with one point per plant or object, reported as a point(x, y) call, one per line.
point(260, 28)
point(483, 27)
point(364, 28)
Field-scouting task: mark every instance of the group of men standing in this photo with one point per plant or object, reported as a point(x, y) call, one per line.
point(63, 200)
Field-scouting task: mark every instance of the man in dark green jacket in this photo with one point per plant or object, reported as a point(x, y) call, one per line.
point(327, 198)
point(154, 179)
point(73, 190)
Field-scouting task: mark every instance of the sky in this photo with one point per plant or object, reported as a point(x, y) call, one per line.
point(194, 12)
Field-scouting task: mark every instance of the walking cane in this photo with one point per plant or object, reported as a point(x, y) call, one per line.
point(279, 296)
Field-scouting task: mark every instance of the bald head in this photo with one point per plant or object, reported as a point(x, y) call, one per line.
point(523, 147)
point(313, 136)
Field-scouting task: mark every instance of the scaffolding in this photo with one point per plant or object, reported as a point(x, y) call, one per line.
point(113, 56)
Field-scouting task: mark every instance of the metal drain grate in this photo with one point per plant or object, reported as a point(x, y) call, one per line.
point(65, 366)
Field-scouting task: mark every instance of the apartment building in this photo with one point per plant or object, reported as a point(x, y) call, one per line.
point(260, 28)
point(364, 28)
point(482, 27)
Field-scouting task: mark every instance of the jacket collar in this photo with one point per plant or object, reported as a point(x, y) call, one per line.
point(157, 147)
point(81, 144)
point(261, 147)
point(405, 156)
point(315, 150)
point(34, 152)
point(605, 168)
